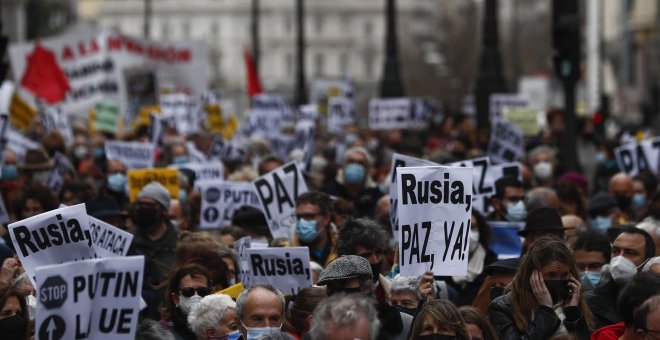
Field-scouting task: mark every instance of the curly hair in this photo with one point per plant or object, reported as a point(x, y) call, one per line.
point(363, 232)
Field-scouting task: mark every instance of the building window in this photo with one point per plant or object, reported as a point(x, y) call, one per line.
point(368, 28)
point(343, 64)
point(319, 64)
point(185, 29)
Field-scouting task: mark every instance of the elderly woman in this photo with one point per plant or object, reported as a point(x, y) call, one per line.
point(404, 294)
point(215, 318)
point(439, 319)
point(545, 297)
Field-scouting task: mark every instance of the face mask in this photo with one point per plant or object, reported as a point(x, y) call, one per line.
point(232, 281)
point(148, 218)
point(622, 269)
point(99, 153)
point(306, 230)
point(186, 304)
point(516, 212)
point(80, 151)
point(12, 327)
point(117, 182)
point(375, 271)
point(436, 337)
point(32, 307)
point(601, 223)
point(180, 160)
point(590, 279)
point(601, 158)
point(404, 310)
point(474, 240)
point(235, 335)
point(559, 290)
point(623, 202)
point(543, 170)
point(354, 173)
point(638, 201)
point(254, 333)
point(9, 172)
point(496, 292)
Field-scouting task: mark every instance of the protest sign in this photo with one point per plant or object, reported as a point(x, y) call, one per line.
point(106, 116)
point(435, 213)
point(282, 144)
point(156, 129)
point(4, 215)
point(498, 101)
point(54, 120)
point(19, 144)
point(139, 178)
point(221, 199)
point(241, 246)
point(226, 151)
point(56, 236)
point(203, 171)
point(389, 113)
point(92, 299)
point(277, 192)
point(536, 89)
point(526, 119)
point(134, 155)
point(637, 156)
point(107, 65)
point(505, 240)
point(60, 167)
point(341, 112)
point(22, 113)
point(108, 240)
point(308, 112)
point(267, 114)
point(400, 161)
point(324, 89)
point(506, 143)
point(287, 269)
point(182, 111)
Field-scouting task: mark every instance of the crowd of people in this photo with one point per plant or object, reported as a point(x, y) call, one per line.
point(589, 264)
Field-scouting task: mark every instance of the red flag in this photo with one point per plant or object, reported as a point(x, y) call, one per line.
point(44, 77)
point(253, 82)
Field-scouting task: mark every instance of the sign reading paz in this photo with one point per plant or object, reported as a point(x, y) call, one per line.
point(56, 236)
point(287, 269)
point(277, 192)
point(635, 157)
point(93, 299)
point(435, 209)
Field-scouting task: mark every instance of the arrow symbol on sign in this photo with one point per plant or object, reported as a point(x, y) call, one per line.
point(50, 329)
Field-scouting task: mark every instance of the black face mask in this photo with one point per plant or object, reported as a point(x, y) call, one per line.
point(623, 202)
point(409, 311)
point(148, 218)
point(375, 271)
point(436, 337)
point(13, 327)
point(496, 292)
point(559, 290)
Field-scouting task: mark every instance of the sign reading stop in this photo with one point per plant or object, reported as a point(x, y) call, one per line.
point(53, 292)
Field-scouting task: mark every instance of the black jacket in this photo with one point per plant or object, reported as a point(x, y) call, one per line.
point(602, 302)
point(544, 324)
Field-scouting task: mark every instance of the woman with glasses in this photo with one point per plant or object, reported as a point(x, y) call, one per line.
point(185, 289)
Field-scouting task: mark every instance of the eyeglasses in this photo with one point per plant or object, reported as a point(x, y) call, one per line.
point(190, 291)
point(307, 216)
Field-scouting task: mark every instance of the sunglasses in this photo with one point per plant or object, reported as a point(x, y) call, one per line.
point(190, 291)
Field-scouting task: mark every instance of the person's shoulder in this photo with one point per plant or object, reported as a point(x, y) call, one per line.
point(502, 302)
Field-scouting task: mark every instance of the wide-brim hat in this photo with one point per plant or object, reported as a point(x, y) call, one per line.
point(103, 207)
point(346, 268)
point(509, 266)
point(543, 219)
point(36, 159)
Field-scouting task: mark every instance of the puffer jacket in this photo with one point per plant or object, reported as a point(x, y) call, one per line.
point(545, 321)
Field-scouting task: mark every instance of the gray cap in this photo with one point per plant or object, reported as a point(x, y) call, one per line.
point(156, 192)
point(345, 268)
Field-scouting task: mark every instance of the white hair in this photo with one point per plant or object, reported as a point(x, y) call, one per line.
point(649, 225)
point(343, 311)
point(650, 263)
point(406, 283)
point(208, 313)
point(361, 150)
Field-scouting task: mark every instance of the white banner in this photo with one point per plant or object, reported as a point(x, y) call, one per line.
point(56, 236)
point(92, 299)
point(19, 144)
point(181, 111)
point(635, 157)
point(498, 101)
point(208, 171)
point(341, 112)
point(53, 119)
point(60, 167)
point(108, 240)
point(277, 192)
point(226, 151)
point(506, 143)
point(98, 64)
point(221, 199)
point(435, 212)
point(288, 269)
point(389, 113)
point(134, 155)
point(267, 114)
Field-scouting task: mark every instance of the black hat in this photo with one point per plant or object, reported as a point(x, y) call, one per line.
point(509, 266)
point(249, 218)
point(601, 201)
point(345, 268)
point(542, 219)
point(102, 207)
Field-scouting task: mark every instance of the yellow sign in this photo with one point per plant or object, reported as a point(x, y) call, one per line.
point(22, 113)
point(215, 118)
point(525, 118)
point(143, 118)
point(139, 178)
point(233, 291)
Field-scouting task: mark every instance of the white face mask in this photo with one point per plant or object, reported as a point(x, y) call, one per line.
point(32, 307)
point(254, 333)
point(622, 269)
point(543, 170)
point(187, 304)
point(474, 240)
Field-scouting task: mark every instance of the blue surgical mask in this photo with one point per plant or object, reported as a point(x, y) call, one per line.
point(9, 172)
point(591, 279)
point(601, 158)
point(638, 201)
point(306, 230)
point(516, 212)
point(254, 333)
point(354, 173)
point(601, 223)
point(117, 182)
point(180, 159)
point(235, 335)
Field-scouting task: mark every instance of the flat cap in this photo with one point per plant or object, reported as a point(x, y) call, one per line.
point(601, 201)
point(345, 268)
